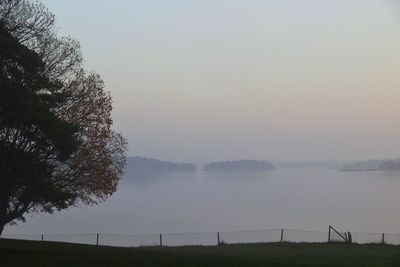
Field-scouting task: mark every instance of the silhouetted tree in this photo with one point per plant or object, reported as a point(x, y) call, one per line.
point(57, 147)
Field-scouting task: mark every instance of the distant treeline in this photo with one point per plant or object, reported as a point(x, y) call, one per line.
point(149, 164)
point(237, 165)
point(373, 165)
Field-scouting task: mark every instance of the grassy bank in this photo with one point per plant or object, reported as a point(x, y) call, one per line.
point(30, 253)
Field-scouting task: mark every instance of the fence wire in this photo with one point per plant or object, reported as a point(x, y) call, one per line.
point(211, 238)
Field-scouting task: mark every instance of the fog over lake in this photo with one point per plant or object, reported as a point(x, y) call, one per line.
point(209, 80)
point(309, 199)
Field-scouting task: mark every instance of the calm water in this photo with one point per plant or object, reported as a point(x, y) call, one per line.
point(309, 199)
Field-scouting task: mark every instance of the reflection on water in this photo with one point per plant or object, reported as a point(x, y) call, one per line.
point(309, 199)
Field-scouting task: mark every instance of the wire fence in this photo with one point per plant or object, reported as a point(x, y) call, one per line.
point(215, 238)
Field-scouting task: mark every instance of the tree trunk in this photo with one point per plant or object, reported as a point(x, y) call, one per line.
point(3, 211)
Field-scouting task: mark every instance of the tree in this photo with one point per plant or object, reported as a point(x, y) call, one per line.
point(57, 148)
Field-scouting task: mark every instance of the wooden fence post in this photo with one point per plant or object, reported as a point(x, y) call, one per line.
point(329, 234)
point(281, 235)
point(161, 240)
point(97, 239)
point(42, 237)
point(383, 238)
point(218, 240)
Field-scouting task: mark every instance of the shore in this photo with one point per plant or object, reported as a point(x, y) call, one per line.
point(45, 254)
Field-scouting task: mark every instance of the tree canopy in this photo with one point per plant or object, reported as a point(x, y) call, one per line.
point(57, 147)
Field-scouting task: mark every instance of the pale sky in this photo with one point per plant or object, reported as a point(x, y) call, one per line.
point(204, 80)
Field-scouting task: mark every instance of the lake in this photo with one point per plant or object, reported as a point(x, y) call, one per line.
point(309, 199)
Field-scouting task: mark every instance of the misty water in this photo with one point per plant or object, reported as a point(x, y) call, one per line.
point(309, 199)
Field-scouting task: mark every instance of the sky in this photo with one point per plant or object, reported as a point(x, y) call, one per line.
point(278, 80)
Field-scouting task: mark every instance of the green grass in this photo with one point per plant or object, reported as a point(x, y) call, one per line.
point(30, 253)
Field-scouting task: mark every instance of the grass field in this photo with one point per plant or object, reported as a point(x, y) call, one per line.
point(32, 253)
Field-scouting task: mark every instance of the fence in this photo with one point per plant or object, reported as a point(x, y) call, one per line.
point(216, 238)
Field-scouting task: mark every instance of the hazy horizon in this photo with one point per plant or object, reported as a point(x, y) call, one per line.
point(271, 80)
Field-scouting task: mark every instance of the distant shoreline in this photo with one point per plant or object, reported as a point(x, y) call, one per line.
point(238, 165)
point(370, 170)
